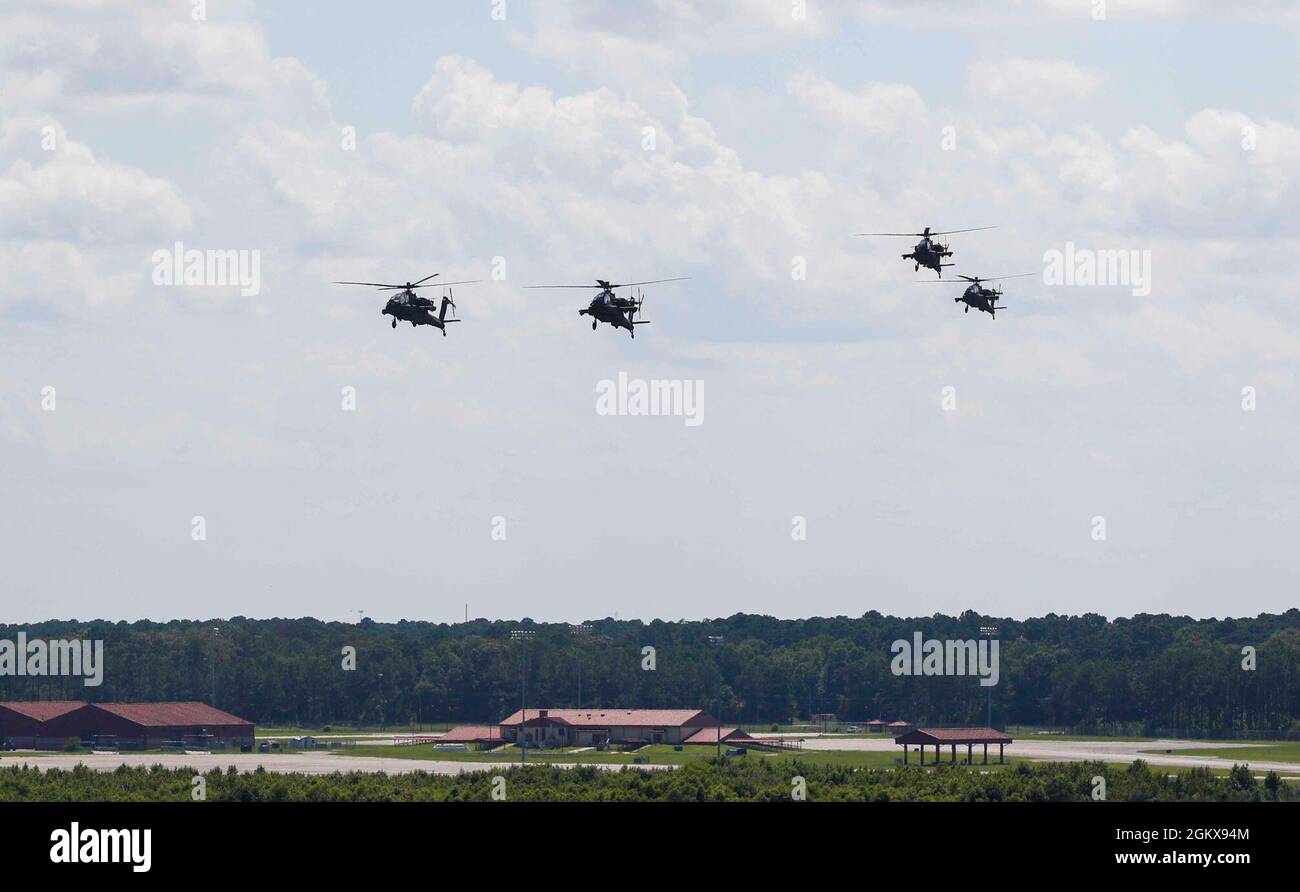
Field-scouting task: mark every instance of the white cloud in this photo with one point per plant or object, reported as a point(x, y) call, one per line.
point(873, 109)
point(67, 193)
point(1032, 85)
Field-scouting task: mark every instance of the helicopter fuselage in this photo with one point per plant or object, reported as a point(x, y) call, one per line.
point(413, 314)
point(929, 254)
point(982, 299)
point(417, 311)
point(611, 310)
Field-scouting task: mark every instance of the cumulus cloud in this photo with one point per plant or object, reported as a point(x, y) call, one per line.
point(1032, 85)
point(874, 109)
point(55, 188)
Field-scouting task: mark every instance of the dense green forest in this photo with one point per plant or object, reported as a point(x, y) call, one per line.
point(1149, 673)
point(730, 780)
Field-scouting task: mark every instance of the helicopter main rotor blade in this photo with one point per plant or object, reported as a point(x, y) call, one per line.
point(926, 234)
point(419, 284)
point(611, 287)
point(951, 231)
point(430, 285)
point(975, 279)
point(652, 282)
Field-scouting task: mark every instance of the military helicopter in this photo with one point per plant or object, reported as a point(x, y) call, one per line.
point(983, 299)
point(408, 306)
point(928, 252)
point(611, 309)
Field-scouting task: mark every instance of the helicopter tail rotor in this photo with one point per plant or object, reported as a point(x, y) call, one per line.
point(637, 303)
point(448, 301)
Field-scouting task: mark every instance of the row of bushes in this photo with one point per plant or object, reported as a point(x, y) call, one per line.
point(736, 780)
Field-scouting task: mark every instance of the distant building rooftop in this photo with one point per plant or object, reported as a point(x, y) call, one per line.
point(157, 715)
point(604, 718)
point(954, 735)
point(472, 734)
point(42, 710)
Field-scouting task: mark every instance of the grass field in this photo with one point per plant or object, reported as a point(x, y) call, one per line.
point(1274, 751)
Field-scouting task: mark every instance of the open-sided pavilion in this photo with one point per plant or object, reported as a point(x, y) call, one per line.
point(939, 737)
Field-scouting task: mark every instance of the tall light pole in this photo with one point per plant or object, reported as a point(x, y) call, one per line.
point(718, 753)
point(579, 631)
point(523, 636)
point(989, 632)
point(212, 663)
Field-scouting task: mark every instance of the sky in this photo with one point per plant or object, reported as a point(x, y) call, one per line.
point(172, 450)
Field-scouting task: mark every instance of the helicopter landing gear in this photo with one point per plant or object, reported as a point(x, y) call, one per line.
point(394, 323)
point(967, 310)
point(917, 268)
point(593, 325)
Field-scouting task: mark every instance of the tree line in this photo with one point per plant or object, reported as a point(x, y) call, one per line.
point(1148, 673)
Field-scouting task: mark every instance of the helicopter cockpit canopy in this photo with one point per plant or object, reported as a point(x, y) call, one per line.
point(973, 291)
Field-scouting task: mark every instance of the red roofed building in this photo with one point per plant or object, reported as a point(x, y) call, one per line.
point(158, 722)
point(138, 725)
point(596, 727)
point(714, 735)
point(938, 737)
point(22, 722)
point(472, 734)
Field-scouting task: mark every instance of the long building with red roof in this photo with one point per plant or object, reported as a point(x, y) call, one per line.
point(27, 718)
point(45, 724)
point(595, 727)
